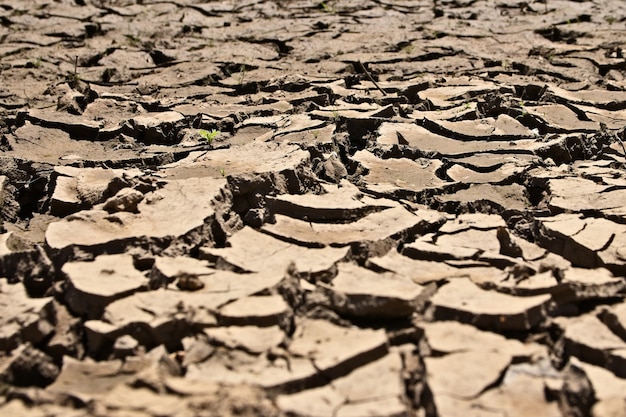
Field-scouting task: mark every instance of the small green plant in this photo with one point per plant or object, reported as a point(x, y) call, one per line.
point(328, 8)
point(242, 74)
point(36, 63)
point(408, 49)
point(222, 172)
point(132, 40)
point(73, 80)
point(209, 135)
point(524, 113)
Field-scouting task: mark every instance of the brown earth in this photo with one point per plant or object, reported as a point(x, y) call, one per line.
point(299, 208)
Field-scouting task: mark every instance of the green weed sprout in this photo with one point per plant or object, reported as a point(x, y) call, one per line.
point(328, 8)
point(209, 135)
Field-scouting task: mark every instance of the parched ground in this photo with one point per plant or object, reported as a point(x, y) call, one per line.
point(299, 208)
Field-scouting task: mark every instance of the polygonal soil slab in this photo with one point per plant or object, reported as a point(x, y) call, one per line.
point(462, 300)
point(261, 310)
point(335, 350)
point(22, 319)
point(375, 386)
point(247, 160)
point(578, 194)
point(338, 203)
point(91, 286)
point(389, 176)
point(252, 339)
point(500, 197)
point(586, 242)
point(79, 188)
point(449, 144)
point(319, 351)
point(269, 253)
point(502, 128)
point(502, 174)
point(374, 227)
point(446, 337)
point(519, 396)
point(560, 118)
point(97, 229)
point(420, 271)
point(464, 374)
point(166, 314)
point(590, 340)
point(359, 292)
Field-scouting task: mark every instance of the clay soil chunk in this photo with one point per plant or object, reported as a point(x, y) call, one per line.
point(94, 285)
point(244, 161)
point(164, 313)
point(560, 118)
point(483, 240)
point(605, 384)
point(342, 202)
point(252, 339)
point(269, 253)
point(615, 318)
point(503, 197)
point(464, 374)
point(157, 127)
point(577, 194)
point(255, 310)
point(166, 270)
point(614, 100)
point(336, 350)
point(586, 242)
point(65, 199)
point(372, 228)
point(519, 396)
point(33, 324)
point(430, 251)
point(590, 340)
point(446, 337)
point(502, 175)
point(359, 292)
point(502, 128)
point(388, 176)
point(442, 97)
point(95, 228)
point(413, 135)
point(580, 284)
point(373, 389)
point(239, 367)
point(420, 272)
point(462, 300)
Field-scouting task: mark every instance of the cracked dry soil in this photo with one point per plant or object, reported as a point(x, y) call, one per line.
point(407, 208)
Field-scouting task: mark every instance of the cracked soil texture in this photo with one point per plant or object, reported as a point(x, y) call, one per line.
point(303, 208)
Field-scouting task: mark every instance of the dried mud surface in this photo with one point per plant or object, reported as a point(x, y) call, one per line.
point(298, 208)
